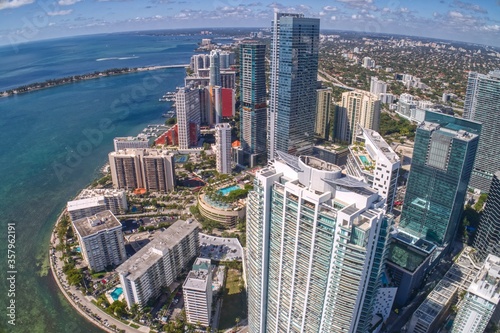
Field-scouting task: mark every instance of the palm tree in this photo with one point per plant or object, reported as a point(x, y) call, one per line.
point(237, 321)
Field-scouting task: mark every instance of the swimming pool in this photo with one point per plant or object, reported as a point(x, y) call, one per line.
point(384, 279)
point(77, 249)
point(227, 190)
point(116, 293)
point(365, 160)
point(181, 158)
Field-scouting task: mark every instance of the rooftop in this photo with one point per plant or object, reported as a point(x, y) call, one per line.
point(487, 283)
point(85, 203)
point(130, 138)
point(197, 279)
point(378, 141)
point(139, 263)
point(88, 226)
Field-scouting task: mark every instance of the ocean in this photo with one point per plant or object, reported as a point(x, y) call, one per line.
point(54, 141)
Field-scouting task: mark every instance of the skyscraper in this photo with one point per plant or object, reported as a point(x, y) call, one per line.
point(253, 112)
point(443, 156)
point(357, 107)
point(294, 69)
point(215, 68)
point(487, 239)
point(187, 101)
point(377, 86)
point(316, 244)
point(222, 147)
point(482, 104)
point(323, 117)
point(197, 289)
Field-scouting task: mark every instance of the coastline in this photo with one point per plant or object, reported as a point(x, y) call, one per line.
point(77, 78)
point(81, 303)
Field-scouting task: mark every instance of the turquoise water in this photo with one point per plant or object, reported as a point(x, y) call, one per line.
point(77, 249)
point(181, 158)
point(52, 144)
point(365, 160)
point(227, 190)
point(384, 279)
point(116, 293)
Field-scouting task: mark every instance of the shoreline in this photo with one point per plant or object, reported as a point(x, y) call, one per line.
point(83, 77)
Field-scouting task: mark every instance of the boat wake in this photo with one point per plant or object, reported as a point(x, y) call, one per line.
point(117, 58)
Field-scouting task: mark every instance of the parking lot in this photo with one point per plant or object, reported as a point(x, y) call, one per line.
point(219, 248)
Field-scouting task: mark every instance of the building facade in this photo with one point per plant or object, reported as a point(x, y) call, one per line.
point(101, 240)
point(151, 169)
point(443, 156)
point(222, 147)
point(357, 108)
point(188, 107)
point(197, 293)
point(130, 142)
point(481, 300)
point(253, 111)
point(377, 86)
point(316, 241)
point(323, 117)
point(159, 263)
point(487, 238)
point(215, 68)
point(372, 160)
point(294, 70)
point(482, 104)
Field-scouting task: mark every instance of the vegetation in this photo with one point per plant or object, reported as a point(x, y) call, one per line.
point(234, 299)
point(396, 125)
point(480, 202)
point(171, 121)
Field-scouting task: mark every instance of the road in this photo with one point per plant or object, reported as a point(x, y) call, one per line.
point(333, 80)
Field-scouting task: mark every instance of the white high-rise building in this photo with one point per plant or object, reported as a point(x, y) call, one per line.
point(316, 242)
point(159, 263)
point(377, 86)
point(130, 142)
point(91, 202)
point(368, 63)
point(101, 240)
point(188, 108)
point(197, 293)
point(152, 169)
point(480, 303)
point(222, 147)
point(357, 107)
point(373, 161)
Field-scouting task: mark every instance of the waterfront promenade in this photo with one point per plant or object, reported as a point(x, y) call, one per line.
point(82, 303)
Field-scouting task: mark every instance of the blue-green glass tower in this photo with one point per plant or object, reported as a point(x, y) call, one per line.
point(443, 158)
point(294, 70)
point(253, 111)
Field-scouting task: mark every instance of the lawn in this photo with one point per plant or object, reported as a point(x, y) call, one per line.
point(234, 302)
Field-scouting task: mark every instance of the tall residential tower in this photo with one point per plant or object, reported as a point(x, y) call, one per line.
point(253, 112)
point(482, 104)
point(294, 70)
point(316, 248)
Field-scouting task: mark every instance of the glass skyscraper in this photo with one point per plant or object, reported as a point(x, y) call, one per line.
point(294, 70)
point(316, 242)
point(443, 157)
point(487, 239)
point(482, 104)
point(253, 112)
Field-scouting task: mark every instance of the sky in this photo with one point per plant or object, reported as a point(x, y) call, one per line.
point(29, 20)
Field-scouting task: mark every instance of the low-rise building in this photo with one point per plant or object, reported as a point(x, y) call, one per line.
point(130, 142)
point(101, 240)
point(93, 201)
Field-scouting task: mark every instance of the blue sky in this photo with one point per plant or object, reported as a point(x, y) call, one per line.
point(25, 20)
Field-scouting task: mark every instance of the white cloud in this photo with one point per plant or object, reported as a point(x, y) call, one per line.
point(404, 10)
point(493, 28)
point(67, 2)
point(330, 8)
point(60, 12)
point(455, 14)
point(6, 4)
point(333, 18)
